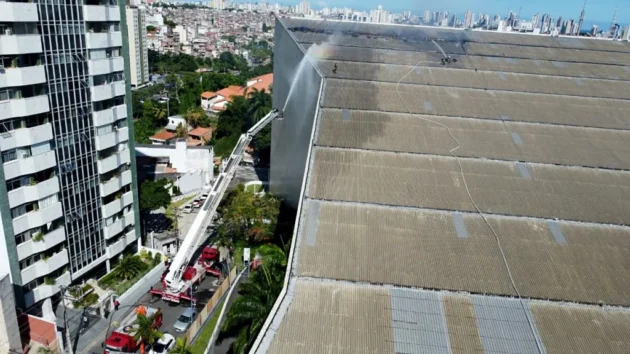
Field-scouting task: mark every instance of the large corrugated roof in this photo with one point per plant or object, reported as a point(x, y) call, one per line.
point(391, 255)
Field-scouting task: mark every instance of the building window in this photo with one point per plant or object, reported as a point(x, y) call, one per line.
point(9, 155)
point(48, 201)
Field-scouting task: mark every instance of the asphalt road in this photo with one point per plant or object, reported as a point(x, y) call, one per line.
point(170, 311)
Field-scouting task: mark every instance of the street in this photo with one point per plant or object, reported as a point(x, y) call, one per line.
point(91, 341)
point(170, 311)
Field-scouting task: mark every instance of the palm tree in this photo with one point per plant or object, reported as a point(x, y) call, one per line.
point(195, 116)
point(248, 314)
point(181, 131)
point(181, 347)
point(143, 331)
point(128, 267)
point(259, 104)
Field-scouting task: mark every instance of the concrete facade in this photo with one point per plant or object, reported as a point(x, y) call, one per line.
point(190, 166)
point(138, 48)
point(65, 140)
point(291, 136)
point(9, 329)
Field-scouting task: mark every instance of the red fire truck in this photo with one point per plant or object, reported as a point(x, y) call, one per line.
point(121, 340)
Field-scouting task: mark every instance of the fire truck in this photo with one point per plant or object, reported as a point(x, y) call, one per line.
point(183, 274)
point(122, 338)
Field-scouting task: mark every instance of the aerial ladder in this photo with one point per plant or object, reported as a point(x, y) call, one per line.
point(181, 277)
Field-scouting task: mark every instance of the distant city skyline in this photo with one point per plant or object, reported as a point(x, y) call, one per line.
point(597, 11)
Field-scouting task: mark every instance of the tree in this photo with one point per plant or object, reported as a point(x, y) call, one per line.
point(259, 104)
point(249, 312)
point(143, 331)
point(128, 267)
point(181, 131)
point(153, 195)
point(143, 129)
point(150, 28)
point(248, 217)
point(195, 116)
point(181, 347)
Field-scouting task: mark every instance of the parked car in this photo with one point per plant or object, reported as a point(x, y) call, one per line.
point(163, 345)
point(184, 321)
point(187, 209)
point(196, 203)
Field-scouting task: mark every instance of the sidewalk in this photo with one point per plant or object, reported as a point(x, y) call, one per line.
point(95, 333)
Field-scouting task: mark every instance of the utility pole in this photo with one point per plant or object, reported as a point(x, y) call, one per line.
point(65, 319)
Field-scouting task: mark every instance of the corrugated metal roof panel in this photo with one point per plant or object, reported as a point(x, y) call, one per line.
point(503, 326)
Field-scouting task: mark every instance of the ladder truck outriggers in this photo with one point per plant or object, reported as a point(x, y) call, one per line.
point(184, 274)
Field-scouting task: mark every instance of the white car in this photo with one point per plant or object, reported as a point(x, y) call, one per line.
point(163, 345)
point(187, 209)
point(203, 197)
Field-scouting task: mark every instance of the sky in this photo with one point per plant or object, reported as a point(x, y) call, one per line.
point(600, 11)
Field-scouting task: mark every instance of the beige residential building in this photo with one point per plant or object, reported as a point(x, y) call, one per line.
point(138, 49)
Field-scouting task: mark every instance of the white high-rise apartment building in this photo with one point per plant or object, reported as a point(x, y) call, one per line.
point(67, 184)
point(218, 4)
point(427, 16)
point(304, 8)
point(138, 46)
point(469, 17)
point(379, 15)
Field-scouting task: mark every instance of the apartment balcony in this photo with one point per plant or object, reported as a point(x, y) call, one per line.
point(48, 241)
point(45, 291)
point(20, 44)
point(117, 226)
point(103, 40)
point(37, 218)
point(110, 115)
point(32, 193)
point(111, 139)
point(18, 12)
point(115, 184)
point(114, 161)
point(44, 267)
point(26, 136)
point(107, 91)
point(121, 244)
point(23, 107)
point(117, 205)
point(29, 165)
point(96, 13)
point(106, 66)
point(28, 75)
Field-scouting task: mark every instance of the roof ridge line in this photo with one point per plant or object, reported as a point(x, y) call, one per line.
point(470, 158)
point(481, 89)
point(623, 227)
point(604, 307)
point(479, 118)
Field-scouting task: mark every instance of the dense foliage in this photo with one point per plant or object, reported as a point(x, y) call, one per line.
point(154, 195)
point(247, 217)
point(257, 297)
point(237, 118)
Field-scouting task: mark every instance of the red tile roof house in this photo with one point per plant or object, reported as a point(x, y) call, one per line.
point(163, 137)
point(199, 136)
point(216, 101)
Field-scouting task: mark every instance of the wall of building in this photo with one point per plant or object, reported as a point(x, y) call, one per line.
point(291, 136)
point(183, 158)
point(9, 329)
